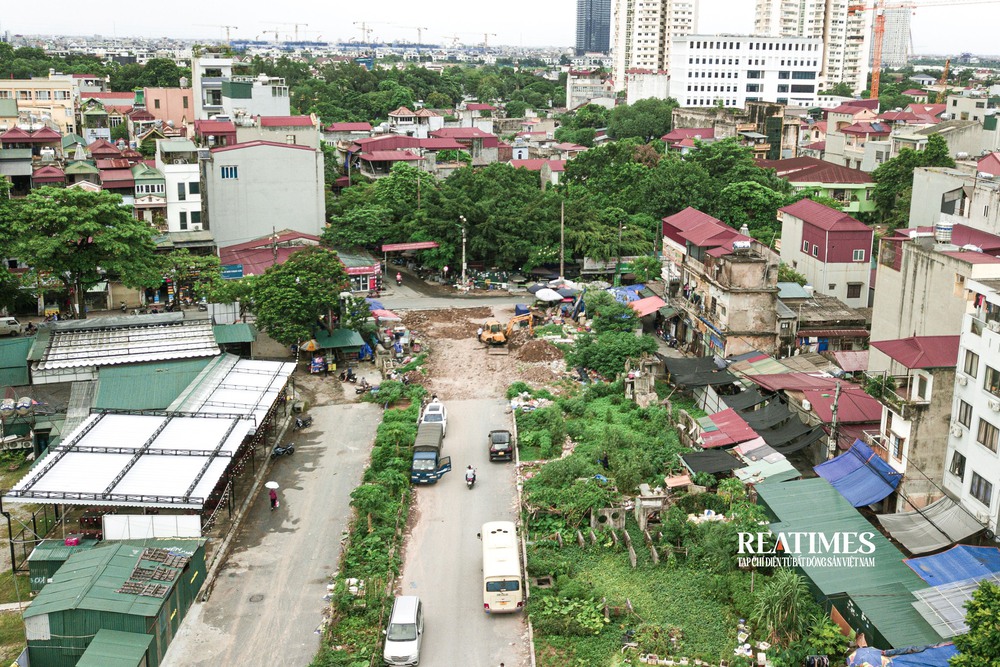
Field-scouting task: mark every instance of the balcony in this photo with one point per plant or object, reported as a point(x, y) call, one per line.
point(879, 444)
point(904, 399)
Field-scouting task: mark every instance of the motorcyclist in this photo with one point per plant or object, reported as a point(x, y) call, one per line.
point(399, 278)
point(470, 474)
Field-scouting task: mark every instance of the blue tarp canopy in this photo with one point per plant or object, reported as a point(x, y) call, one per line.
point(520, 309)
point(956, 564)
point(912, 656)
point(859, 475)
point(374, 304)
point(627, 293)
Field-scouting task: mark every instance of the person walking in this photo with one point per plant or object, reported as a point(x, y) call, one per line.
point(273, 495)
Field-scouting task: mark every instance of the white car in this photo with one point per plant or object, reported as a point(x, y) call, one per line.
point(435, 413)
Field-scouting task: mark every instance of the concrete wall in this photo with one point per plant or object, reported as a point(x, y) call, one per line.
point(168, 104)
point(301, 136)
point(277, 187)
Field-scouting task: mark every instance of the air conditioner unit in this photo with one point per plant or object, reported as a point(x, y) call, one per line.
point(994, 406)
point(963, 380)
point(993, 325)
point(196, 227)
point(956, 430)
point(982, 517)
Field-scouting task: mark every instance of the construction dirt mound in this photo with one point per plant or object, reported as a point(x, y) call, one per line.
point(539, 350)
point(422, 319)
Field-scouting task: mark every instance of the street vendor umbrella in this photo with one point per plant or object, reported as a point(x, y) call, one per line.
point(270, 485)
point(534, 288)
point(548, 295)
point(310, 345)
point(567, 292)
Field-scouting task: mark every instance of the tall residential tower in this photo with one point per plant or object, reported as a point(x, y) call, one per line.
point(846, 36)
point(593, 26)
point(641, 33)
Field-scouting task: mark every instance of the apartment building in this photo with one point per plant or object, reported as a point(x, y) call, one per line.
point(973, 467)
point(707, 70)
point(896, 39)
point(259, 95)
point(43, 101)
point(642, 31)
point(208, 71)
point(593, 26)
point(177, 161)
point(845, 34)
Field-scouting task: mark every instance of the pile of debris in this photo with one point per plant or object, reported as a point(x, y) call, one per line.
point(536, 350)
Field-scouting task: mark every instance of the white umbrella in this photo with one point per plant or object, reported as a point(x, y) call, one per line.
point(548, 295)
point(270, 485)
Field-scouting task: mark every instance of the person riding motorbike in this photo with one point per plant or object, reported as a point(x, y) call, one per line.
point(470, 474)
point(399, 278)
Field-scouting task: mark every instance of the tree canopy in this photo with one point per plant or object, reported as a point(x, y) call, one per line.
point(980, 646)
point(894, 178)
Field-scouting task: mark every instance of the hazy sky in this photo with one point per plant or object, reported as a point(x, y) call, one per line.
point(945, 30)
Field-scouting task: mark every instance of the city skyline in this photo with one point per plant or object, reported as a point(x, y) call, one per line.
point(947, 30)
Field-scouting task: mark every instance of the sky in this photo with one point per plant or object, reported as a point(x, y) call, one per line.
point(941, 30)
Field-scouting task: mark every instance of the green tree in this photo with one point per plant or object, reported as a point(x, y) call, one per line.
point(842, 89)
point(781, 607)
point(190, 273)
point(606, 353)
point(360, 226)
point(751, 204)
point(119, 131)
point(645, 119)
point(894, 178)
point(83, 237)
point(367, 499)
point(291, 299)
point(515, 109)
point(786, 274)
point(646, 268)
point(980, 646)
point(610, 314)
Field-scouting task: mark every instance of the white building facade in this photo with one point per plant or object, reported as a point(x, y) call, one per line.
point(845, 35)
point(256, 187)
point(207, 74)
point(260, 95)
point(972, 470)
point(642, 30)
point(177, 160)
point(896, 39)
point(736, 69)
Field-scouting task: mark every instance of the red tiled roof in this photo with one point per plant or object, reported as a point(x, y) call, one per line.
point(48, 174)
point(480, 107)
point(385, 143)
point(856, 105)
point(214, 127)
point(921, 351)
point(140, 114)
point(899, 117)
point(461, 133)
point(816, 146)
point(535, 164)
point(685, 143)
point(567, 146)
point(440, 144)
point(388, 156)
point(927, 109)
point(46, 134)
point(15, 135)
point(286, 121)
point(401, 111)
point(732, 430)
point(915, 92)
point(822, 216)
point(117, 178)
point(795, 381)
point(113, 163)
point(849, 108)
point(256, 144)
point(121, 109)
point(866, 128)
point(426, 113)
point(702, 230)
point(109, 96)
point(103, 147)
point(806, 169)
point(679, 133)
point(989, 164)
point(258, 255)
point(854, 406)
point(349, 127)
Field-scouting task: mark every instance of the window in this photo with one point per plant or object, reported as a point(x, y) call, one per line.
point(156, 104)
point(991, 382)
point(854, 290)
point(981, 490)
point(957, 467)
point(783, 88)
point(805, 246)
point(964, 414)
point(815, 250)
point(194, 187)
point(43, 95)
point(754, 87)
point(185, 102)
point(897, 446)
point(755, 74)
point(195, 217)
point(184, 220)
point(831, 286)
point(230, 172)
point(784, 75)
point(181, 192)
point(802, 88)
point(859, 255)
point(803, 75)
point(971, 367)
point(987, 435)
point(922, 388)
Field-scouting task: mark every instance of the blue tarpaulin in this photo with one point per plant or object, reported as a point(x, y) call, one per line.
point(956, 564)
point(627, 293)
point(520, 309)
point(374, 304)
point(859, 475)
point(913, 656)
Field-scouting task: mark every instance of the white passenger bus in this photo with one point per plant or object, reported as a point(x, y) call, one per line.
point(502, 586)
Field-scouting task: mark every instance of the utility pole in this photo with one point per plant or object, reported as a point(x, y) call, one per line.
point(831, 449)
point(462, 218)
point(562, 239)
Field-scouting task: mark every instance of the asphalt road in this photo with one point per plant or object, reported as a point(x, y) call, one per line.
point(268, 598)
point(444, 557)
point(408, 298)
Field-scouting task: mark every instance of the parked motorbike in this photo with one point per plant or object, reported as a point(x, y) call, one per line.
point(123, 306)
point(302, 422)
point(348, 376)
point(203, 306)
point(363, 387)
point(282, 450)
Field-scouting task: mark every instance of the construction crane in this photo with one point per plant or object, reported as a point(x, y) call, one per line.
point(486, 39)
point(296, 25)
point(227, 28)
point(366, 31)
point(878, 31)
point(455, 39)
point(420, 34)
point(271, 32)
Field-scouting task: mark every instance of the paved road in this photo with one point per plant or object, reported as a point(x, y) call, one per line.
point(407, 298)
point(268, 599)
point(444, 557)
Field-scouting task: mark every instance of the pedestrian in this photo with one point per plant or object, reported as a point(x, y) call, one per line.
point(479, 333)
point(273, 495)
point(604, 460)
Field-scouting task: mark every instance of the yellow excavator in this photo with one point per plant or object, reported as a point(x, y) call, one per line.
point(496, 335)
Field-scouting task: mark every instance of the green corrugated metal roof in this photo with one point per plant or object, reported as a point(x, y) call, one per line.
point(813, 505)
point(78, 168)
point(57, 549)
point(14, 361)
point(340, 338)
point(114, 648)
point(91, 579)
point(15, 153)
point(70, 139)
point(151, 386)
point(234, 333)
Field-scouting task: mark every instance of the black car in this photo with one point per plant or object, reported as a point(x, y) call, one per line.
point(501, 446)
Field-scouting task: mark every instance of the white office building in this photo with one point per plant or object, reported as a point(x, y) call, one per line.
point(177, 160)
point(845, 34)
point(973, 465)
point(642, 31)
point(735, 69)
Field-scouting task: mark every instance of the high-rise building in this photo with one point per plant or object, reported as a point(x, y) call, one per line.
point(642, 30)
point(593, 26)
point(846, 36)
point(896, 40)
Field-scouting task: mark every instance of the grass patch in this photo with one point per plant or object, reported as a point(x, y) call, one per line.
point(13, 466)
point(413, 364)
point(12, 640)
point(7, 591)
point(550, 330)
point(533, 453)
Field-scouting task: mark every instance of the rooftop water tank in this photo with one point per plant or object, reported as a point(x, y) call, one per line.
point(942, 231)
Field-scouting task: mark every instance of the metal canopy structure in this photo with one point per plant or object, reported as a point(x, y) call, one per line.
point(943, 607)
point(172, 458)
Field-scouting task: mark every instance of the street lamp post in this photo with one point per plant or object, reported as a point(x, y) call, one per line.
point(462, 219)
point(618, 258)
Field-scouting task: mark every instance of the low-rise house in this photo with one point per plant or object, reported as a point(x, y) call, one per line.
point(853, 189)
point(173, 106)
point(346, 132)
point(177, 160)
point(917, 398)
point(298, 130)
point(830, 248)
point(421, 123)
point(549, 170)
point(212, 133)
point(482, 146)
point(964, 137)
point(917, 94)
point(150, 195)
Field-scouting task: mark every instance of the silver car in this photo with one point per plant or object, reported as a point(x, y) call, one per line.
point(405, 631)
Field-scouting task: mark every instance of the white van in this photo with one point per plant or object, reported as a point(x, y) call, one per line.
point(405, 631)
point(9, 326)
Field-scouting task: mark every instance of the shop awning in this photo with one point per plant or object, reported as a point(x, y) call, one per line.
point(934, 527)
point(416, 245)
point(959, 563)
point(339, 339)
point(711, 461)
point(860, 475)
